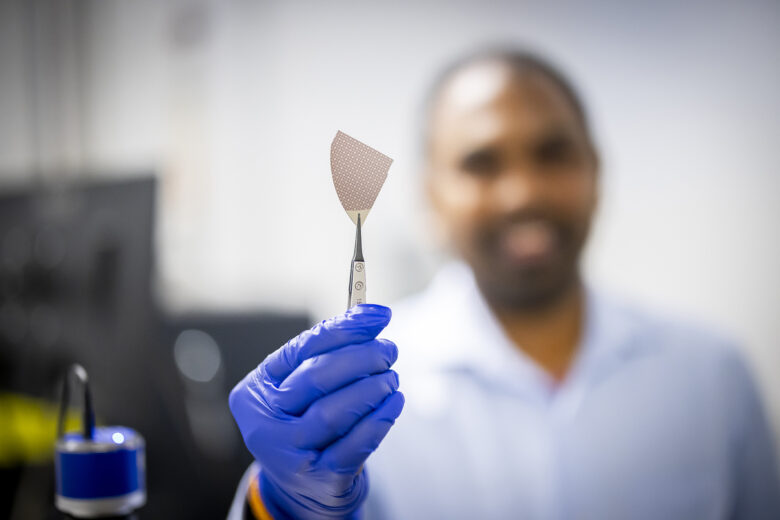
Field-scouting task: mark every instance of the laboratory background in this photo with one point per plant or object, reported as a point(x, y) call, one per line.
point(168, 218)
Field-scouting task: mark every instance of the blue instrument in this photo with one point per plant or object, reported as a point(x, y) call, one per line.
point(100, 471)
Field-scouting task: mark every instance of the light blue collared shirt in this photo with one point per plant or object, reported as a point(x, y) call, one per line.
point(655, 420)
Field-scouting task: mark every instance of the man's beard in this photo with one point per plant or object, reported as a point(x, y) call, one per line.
point(529, 284)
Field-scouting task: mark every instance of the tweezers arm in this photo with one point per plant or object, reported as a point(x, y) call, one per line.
point(357, 284)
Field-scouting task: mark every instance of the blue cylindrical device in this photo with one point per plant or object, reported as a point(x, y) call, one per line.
point(100, 471)
point(101, 476)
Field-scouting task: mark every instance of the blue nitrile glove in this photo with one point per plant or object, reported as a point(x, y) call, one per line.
point(315, 409)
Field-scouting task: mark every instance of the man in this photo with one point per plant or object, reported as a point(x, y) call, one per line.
point(529, 395)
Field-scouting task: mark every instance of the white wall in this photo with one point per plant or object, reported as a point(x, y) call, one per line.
point(236, 103)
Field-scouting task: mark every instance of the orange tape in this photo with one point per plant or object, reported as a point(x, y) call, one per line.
point(256, 501)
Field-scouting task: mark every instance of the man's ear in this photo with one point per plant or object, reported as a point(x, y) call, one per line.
point(596, 169)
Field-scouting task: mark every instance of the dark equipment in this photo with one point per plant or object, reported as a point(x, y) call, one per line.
point(76, 270)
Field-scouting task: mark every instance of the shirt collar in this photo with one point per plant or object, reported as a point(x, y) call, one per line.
point(476, 342)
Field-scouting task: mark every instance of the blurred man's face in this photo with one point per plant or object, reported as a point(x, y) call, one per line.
point(512, 178)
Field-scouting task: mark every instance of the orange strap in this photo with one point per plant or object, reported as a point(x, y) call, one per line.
point(256, 501)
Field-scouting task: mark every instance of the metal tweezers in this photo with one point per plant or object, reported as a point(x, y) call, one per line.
point(357, 275)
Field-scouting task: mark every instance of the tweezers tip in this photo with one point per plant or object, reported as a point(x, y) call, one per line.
point(358, 241)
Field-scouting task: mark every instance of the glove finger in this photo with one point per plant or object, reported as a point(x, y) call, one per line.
point(262, 431)
point(329, 418)
point(325, 373)
point(359, 324)
point(348, 454)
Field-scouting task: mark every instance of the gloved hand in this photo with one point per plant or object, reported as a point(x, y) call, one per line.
point(315, 409)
